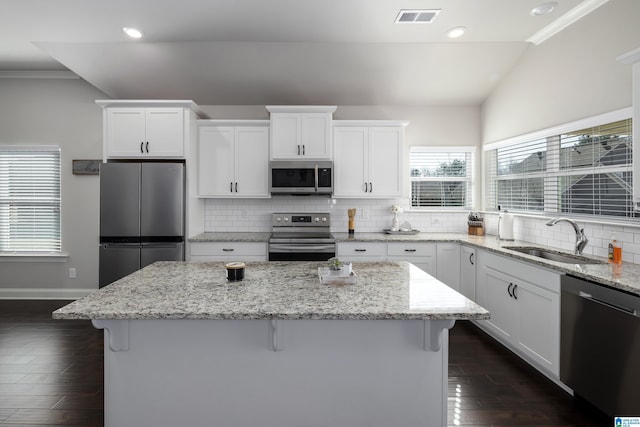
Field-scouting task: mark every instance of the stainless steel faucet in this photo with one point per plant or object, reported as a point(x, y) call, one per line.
point(581, 239)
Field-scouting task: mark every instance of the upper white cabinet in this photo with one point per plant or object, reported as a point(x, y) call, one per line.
point(233, 161)
point(368, 159)
point(300, 132)
point(145, 129)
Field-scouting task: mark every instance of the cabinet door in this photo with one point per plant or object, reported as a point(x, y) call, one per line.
point(251, 162)
point(448, 261)
point(285, 136)
point(539, 316)
point(125, 132)
point(385, 160)
point(315, 135)
point(468, 272)
point(495, 294)
point(361, 251)
point(350, 161)
point(164, 132)
point(216, 161)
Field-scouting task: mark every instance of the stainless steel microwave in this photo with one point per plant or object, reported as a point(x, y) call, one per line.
point(301, 177)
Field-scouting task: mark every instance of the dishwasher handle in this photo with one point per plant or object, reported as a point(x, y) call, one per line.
point(613, 306)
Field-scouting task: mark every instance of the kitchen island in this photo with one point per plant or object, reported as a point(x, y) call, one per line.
point(185, 347)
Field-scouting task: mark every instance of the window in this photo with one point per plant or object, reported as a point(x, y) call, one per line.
point(29, 199)
point(441, 177)
point(587, 171)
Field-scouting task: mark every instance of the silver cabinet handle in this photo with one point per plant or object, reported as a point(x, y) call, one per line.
point(227, 250)
point(360, 250)
point(410, 250)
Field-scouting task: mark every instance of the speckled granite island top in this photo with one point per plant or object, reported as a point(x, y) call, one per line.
point(273, 290)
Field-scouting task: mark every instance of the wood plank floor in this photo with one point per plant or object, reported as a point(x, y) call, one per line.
point(51, 375)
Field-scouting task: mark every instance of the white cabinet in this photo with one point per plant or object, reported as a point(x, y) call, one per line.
point(448, 261)
point(368, 159)
point(300, 132)
point(233, 160)
point(144, 132)
point(361, 251)
point(524, 302)
point(229, 251)
point(423, 255)
point(468, 272)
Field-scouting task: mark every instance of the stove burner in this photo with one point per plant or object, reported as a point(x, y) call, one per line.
point(301, 237)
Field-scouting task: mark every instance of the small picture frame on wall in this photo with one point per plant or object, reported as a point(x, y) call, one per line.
point(86, 167)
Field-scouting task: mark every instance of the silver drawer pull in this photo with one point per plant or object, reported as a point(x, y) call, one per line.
point(361, 250)
point(410, 250)
point(227, 250)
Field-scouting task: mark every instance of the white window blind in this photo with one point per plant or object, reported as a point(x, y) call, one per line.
point(30, 199)
point(441, 177)
point(582, 172)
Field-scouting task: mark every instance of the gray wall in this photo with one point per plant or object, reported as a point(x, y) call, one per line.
point(57, 112)
point(571, 76)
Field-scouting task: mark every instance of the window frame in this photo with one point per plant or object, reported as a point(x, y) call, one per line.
point(470, 151)
point(51, 246)
point(554, 172)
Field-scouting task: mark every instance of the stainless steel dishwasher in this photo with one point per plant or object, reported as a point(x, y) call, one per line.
point(600, 345)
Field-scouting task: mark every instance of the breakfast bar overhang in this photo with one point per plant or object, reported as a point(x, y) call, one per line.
point(185, 347)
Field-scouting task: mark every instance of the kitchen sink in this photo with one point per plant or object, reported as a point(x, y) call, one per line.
point(552, 255)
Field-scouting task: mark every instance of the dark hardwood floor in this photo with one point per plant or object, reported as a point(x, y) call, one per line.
point(51, 375)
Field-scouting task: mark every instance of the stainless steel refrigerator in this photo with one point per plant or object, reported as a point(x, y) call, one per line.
point(141, 216)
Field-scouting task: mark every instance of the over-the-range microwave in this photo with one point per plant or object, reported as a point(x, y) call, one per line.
point(301, 177)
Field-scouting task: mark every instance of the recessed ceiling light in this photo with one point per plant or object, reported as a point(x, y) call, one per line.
point(134, 33)
point(417, 16)
point(543, 9)
point(456, 32)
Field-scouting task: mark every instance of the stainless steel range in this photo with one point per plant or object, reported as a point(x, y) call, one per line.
point(301, 237)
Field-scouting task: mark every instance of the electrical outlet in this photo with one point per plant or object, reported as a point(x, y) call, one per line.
point(72, 273)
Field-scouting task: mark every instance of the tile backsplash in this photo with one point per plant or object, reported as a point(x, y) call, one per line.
point(254, 215)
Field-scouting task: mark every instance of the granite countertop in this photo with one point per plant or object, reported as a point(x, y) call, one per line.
point(273, 290)
point(625, 277)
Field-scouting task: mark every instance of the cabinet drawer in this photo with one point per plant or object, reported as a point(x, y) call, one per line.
point(411, 249)
point(232, 249)
point(367, 249)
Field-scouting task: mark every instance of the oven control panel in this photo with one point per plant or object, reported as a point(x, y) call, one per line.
point(301, 220)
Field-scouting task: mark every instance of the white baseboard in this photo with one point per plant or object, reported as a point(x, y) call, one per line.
point(44, 293)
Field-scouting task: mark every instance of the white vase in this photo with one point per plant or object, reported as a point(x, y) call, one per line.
point(395, 224)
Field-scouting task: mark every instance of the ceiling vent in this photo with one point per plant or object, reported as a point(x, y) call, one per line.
point(417, 16)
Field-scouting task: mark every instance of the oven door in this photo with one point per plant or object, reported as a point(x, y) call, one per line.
point(301, 251)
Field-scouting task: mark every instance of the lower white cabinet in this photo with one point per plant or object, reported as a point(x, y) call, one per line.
point(468, 272)
point(448, 269)
point(524, 302)
point(361, 251)
point(229, 251)
point(422, 255)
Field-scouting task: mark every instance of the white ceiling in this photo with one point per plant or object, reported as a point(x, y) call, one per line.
point(339, 52)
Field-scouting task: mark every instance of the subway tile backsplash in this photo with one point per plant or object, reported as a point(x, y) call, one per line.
point(225, 215)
